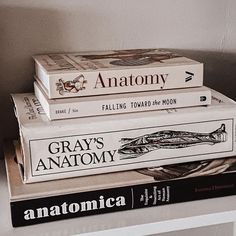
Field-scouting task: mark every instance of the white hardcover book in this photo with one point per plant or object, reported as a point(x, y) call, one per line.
point(121, 103)
point(93, 145)
point(112, 72)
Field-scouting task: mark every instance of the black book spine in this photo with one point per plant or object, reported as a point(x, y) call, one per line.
point(54, 208)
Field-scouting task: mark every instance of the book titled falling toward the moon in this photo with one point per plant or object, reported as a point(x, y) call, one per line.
point(121, 103)
point(111, 72)
point(94, 145)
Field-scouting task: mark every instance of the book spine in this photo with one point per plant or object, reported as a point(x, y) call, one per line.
point(122, 81)
point(96, 153)
point(116, 105)
point(79, 147)
point(40, 210)
point(126, 105)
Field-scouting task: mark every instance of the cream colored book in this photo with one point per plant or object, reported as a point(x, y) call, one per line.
point(121, 103)
point(111, 72)
point(95, 145)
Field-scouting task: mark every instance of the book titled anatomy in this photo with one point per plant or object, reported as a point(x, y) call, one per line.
point(94, 145)
point(121, 103)
point(111, 192)
point(120, 71)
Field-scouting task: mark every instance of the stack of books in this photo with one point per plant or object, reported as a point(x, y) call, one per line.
point(117, 130)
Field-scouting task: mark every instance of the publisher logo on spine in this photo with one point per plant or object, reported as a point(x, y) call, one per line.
point(71, 86)
point(189, 76)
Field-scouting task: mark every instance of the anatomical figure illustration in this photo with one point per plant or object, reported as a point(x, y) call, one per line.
point(133, 57)
point(73, 86)
point(169, 139)
point(191, 169)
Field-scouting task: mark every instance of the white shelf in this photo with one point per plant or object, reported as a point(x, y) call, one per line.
point(136, 222)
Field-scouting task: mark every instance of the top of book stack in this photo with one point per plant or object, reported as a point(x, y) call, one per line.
point(113, 72)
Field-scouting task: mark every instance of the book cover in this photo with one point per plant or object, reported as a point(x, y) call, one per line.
point(121, 103)
point(119, 71)
point(68, 198)
point(93, 145)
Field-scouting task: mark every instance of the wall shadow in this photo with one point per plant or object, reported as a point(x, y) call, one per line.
point(219, 69)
